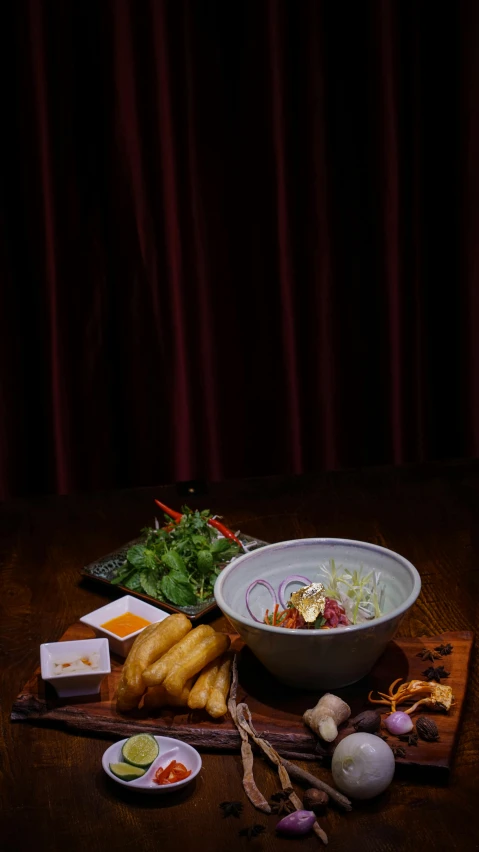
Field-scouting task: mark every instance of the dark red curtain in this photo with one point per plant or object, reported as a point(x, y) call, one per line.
point(236, 238)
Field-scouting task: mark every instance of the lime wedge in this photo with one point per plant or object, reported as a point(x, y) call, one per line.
point(126, 772)
point(140, 750)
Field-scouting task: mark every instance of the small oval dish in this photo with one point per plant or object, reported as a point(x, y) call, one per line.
point(170, 749)
point(76, 667)
point(127, 604)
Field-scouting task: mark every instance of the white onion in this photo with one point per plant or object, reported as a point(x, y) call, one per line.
point(362, 766)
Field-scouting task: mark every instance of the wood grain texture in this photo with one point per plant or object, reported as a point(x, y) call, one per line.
point(277, 713)
point(53, 793)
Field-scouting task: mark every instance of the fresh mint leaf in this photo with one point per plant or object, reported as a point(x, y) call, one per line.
point(221, 544)
point(136, 555)
point(173, 560)
point(133, 583)
point(149, 559)
point(122, 573)
point(204, 561)
point(148, 583)
point(177, 590)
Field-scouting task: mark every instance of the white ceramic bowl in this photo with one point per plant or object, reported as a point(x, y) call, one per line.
point(316, 659)
point(121, 645)
point(78, 683)
point(170, 749)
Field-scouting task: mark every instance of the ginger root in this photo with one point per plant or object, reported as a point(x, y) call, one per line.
point(324, 719)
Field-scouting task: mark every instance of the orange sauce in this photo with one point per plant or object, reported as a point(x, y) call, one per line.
point(125, 624)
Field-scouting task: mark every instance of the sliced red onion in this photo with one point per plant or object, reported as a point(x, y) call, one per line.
point(291, 579)
point(398, 723)
point(250, 589)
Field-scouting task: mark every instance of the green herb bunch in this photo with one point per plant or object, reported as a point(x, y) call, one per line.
point(178, 563)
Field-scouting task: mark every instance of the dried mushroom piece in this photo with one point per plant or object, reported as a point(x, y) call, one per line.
point(435, 695)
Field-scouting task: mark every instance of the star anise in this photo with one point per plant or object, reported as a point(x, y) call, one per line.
point(427, 654)
point(252, 831)
point(231, 809)
point(381, 735)
point(435, 673)
point(410, 739)
point(280, 803)
point(398, 751)
point(445, 650)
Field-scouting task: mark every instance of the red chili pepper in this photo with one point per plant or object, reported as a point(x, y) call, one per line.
point(173, 773)
point(224, 530)
point(162, 774)
point(177, 516)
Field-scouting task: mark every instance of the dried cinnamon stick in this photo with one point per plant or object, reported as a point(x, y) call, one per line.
point(254, 795)
point(241, 711)
point(301, 775)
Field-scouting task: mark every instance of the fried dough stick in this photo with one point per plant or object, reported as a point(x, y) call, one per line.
point(216, 703)
point(199, 656)
point(199, 694)
point(152, 643)
point(157, 696)
point(158, 671)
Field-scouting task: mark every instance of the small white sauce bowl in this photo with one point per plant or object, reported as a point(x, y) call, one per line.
point(170, 749)
point(118, 644)
point(77, 683)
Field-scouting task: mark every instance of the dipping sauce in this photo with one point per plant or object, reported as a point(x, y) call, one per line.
point(75, 665)
point(125, 624)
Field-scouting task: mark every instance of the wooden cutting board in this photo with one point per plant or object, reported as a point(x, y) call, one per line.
point(277, 710)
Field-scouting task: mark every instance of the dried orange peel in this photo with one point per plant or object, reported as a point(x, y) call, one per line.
point(436, 696)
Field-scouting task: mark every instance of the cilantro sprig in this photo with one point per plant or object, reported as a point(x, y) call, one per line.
point(178, 563)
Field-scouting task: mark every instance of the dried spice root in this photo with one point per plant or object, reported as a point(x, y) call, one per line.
point(254, 794)
point(242, 711)
point(325, 718)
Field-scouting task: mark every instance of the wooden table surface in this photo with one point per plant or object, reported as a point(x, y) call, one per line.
point(54, 795)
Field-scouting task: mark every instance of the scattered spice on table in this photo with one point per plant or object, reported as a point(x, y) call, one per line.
point(231, 809)
point(410, 739)
point(399, 751)
point(280, 803)
point(428, 654)
point(445, 650)
point(436, 673)
point(252, 831)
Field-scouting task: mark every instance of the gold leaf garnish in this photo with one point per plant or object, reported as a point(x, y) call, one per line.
point(310, 601)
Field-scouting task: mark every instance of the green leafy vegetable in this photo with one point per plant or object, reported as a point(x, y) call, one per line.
point(149, 583)
point(179, 565)
point(178, 590)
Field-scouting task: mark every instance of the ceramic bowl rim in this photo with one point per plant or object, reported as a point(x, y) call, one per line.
point(292, 543)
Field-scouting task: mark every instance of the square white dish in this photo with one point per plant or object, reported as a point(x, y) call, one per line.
point(170, 749)
point(121, 645)
point(76, 683)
